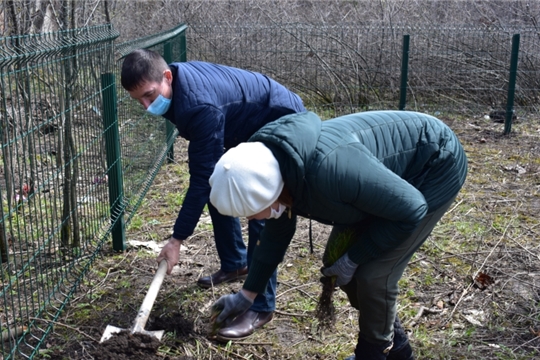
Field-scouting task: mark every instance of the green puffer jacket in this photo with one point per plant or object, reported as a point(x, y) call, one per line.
point(393, 167)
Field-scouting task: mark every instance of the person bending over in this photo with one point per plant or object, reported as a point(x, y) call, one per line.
point(215, 107)
point(386, 177)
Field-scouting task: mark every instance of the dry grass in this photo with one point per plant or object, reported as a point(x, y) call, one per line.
point(471, 292)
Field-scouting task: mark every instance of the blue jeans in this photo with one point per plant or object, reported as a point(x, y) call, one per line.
point(233, 254)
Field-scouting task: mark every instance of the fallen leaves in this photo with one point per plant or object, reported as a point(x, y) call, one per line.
point(483, 280)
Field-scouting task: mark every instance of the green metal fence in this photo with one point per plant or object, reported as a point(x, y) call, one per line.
point(78, 156)
point(342, 68)
point(143, 136)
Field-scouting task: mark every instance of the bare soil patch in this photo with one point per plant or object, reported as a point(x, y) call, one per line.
point(125, 345)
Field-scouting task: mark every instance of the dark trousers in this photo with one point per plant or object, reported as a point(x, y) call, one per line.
point(374, 288)
point(234, 255)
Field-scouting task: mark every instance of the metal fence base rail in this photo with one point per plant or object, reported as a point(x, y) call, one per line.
point(77, 160)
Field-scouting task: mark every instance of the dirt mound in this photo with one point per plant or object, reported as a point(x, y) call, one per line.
point(125, 345)
point(174, 323)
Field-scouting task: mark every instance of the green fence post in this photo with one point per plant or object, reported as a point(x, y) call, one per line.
point(167, 56)
point(404, 73)
point(511, 84)
point(114, 164)
point(183, 47)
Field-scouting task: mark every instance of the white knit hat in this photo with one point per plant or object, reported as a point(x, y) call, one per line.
point(246, 180)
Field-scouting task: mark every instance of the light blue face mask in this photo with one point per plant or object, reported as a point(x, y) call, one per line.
point(159, 106)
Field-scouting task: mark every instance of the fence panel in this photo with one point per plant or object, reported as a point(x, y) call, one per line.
point(54, 188)
point(343, 68)
point(145, 140)
point(55, 175)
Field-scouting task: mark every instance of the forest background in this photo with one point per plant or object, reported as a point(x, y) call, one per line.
point(136, 19)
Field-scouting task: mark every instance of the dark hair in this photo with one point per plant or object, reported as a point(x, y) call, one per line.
point(142, 65)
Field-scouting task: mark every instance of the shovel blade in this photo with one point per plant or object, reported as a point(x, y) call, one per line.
point(109, 332)
point(158, 334)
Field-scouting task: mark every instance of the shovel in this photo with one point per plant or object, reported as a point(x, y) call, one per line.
point(144, 311)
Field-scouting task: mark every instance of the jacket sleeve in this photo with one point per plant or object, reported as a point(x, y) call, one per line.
point(205, 131)
point(269, 252)
point(369, 186)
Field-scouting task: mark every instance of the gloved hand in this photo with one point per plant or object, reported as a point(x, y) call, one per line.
point(228, 307)
point(344, 269)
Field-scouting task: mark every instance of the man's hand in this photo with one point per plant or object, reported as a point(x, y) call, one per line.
point(228, 307)
point(343, 269)
point(171, 253)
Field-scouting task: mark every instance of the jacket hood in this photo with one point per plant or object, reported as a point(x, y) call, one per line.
point(292, 139)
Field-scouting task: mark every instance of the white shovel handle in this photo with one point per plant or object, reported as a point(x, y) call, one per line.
point(146, 307)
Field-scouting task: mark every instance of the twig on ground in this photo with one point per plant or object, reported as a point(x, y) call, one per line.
point(490, 253)
point(132, 261)
point(198, 251)
point(233, 353)
point(466, 290)
point(463, 293)
point(299, 342)
point(455, 206)
point(253, 343)
point(525, 343)
point(300, 290)
point(66, 326)
point(514, 240)
point(293, 288)
point(199, 234)
point(420, 313)
point(98, 286)
point(291, 314)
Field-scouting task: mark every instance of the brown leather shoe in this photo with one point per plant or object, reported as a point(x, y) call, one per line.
point(222, 277)
point(244, 325)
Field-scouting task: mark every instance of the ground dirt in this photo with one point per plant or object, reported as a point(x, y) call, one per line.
point(471, 292)
point(125, 345)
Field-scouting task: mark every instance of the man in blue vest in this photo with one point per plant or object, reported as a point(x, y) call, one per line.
point(215, 107)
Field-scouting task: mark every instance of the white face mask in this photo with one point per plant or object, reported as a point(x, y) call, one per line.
point(274, 214)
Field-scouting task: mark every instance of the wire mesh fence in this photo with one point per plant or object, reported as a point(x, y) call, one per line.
point(74, 167)
point(344, 68)
point(143, 136)
point(53, 198)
